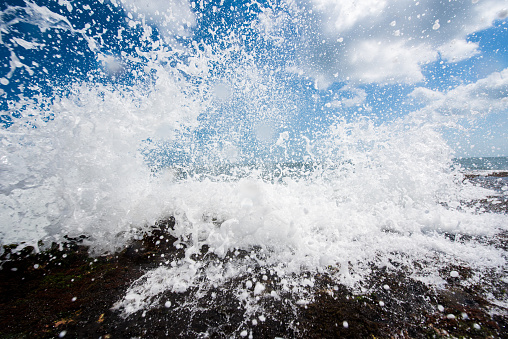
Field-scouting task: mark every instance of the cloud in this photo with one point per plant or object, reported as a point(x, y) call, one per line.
point(483, 13)
point(388, 41)
point(358, 97)
point(348, 97)
point(487, 95)
point(170, 17)
point(458, 50)
point(374, 61)
point(348, 13)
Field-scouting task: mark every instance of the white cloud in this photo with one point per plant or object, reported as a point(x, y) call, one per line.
point(390, 40)
point(348, 97)
point(483, 13)
point(373, 61)
point(487, 95)
point(173, 17)
point(358, 97)
point(426, 95)
point(346, 14)
point(458, 50)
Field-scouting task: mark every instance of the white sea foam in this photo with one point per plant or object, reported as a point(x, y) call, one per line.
point(106, 161)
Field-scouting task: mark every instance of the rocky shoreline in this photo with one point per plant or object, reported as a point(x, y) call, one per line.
point(65, 293)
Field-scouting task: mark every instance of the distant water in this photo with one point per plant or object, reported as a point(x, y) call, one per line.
point(276, 172)
point(483, 163)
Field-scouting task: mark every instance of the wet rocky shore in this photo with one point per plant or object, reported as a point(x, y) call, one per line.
point(65, 293)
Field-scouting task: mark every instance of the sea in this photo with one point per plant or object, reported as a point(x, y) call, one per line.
point(494, 164)
point(142, 126)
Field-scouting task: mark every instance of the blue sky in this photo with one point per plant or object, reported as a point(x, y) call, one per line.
point(318, 60)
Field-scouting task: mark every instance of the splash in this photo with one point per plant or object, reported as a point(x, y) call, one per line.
point(217, 131)
point(377, 206)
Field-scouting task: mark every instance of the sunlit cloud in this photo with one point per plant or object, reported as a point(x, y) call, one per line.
point(347, 14)
point(388, 41)
point(458, 50)
point(374, 61)
point(487, 95)
point(170, 17)
point(483, 13)
point(348, 97)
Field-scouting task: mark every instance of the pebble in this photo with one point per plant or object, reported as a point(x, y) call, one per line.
point(454, 274)
point(345, 324)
